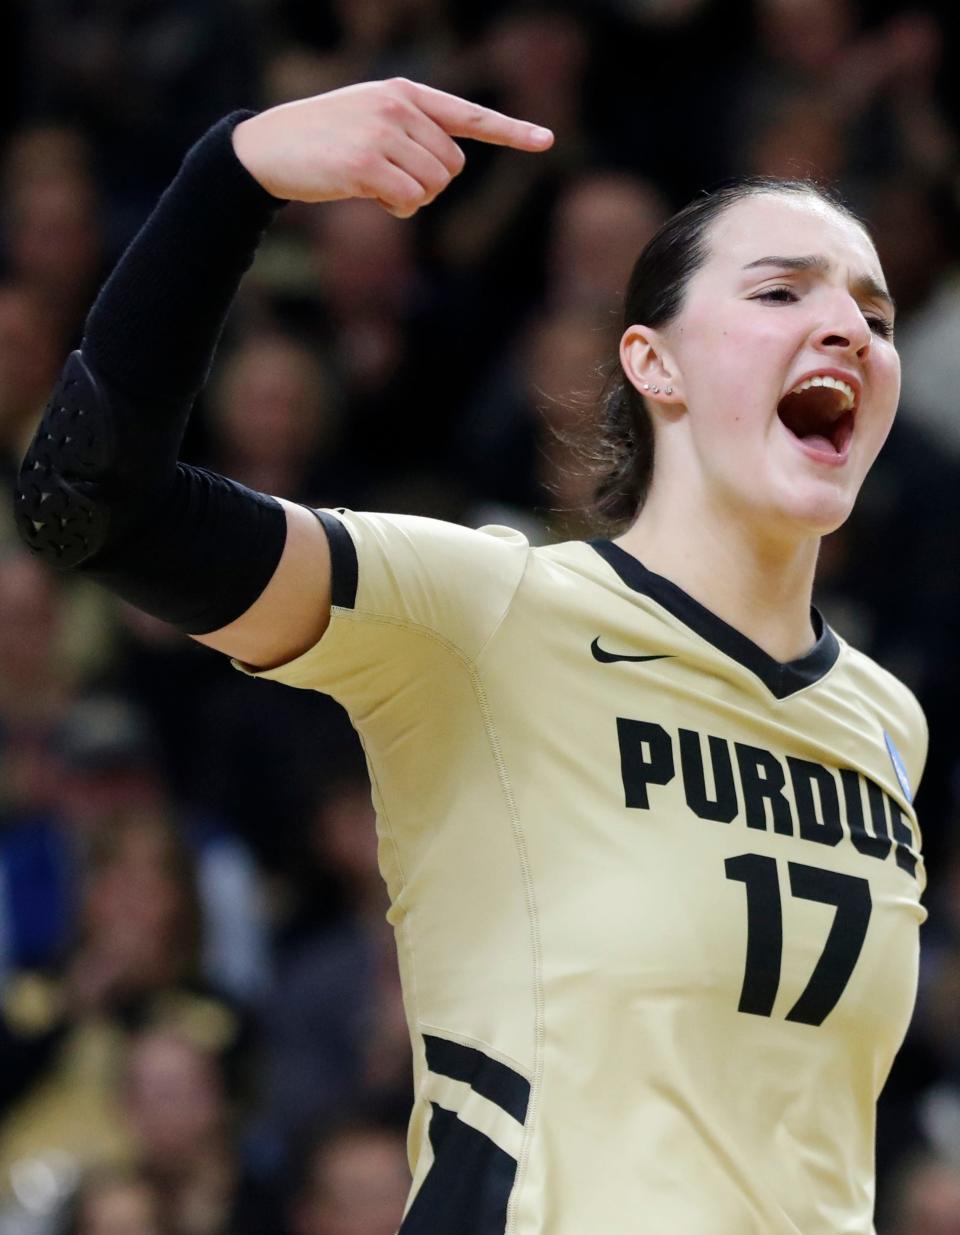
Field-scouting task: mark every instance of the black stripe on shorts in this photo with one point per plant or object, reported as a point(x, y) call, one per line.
point(467, 1189)
point(487, 1077)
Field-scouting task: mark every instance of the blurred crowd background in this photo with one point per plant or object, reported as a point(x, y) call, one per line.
point(201, 1030)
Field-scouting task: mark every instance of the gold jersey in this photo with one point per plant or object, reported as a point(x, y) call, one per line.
point(656, 895)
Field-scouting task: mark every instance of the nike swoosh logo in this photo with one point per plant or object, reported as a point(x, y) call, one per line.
point(608, 658)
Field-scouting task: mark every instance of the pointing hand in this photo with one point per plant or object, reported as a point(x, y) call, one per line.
point(391, 141)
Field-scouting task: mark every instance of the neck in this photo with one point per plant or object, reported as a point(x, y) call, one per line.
point(760, 585)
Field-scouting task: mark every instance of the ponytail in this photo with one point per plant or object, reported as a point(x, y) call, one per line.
point(623, 455)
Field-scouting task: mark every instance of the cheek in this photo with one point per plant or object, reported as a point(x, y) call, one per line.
point(879, 417)
point(891, 382)
point(732, 376)
point(730, 418)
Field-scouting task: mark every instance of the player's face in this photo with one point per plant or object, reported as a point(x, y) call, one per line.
point(751, 331)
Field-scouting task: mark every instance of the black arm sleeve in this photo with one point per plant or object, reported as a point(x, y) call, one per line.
point(100, 488)
point(152, 330)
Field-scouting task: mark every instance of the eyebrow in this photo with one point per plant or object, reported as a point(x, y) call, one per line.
point(866, 284)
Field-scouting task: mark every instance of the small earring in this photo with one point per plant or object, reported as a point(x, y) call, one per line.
point(646, 385)
point(668, 391)
point(655, 389)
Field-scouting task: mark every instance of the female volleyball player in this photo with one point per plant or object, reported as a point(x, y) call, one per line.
point(644, 818)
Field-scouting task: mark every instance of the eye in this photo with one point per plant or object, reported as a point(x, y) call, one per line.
point(778, 295)
point(881, 326)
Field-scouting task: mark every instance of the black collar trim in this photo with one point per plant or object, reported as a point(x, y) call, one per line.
point(780, 678)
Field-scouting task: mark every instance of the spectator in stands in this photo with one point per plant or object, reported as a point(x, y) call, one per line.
point(335, 1033)
point(30, 356)
point(52, 231)
point(114, 1202)
point(917, 225)
point(814, 60)
point(533, 59)
point(323, 47)
point(34, 683)
point(354, 1181)
point(142, 79)
point(926, 1199)
point(379, 311)
point(63, 1032)
point(518, 436)
point(602, 219)
point(106, 766)
point(274, 419)
point(530, 424)
point(182, 1105)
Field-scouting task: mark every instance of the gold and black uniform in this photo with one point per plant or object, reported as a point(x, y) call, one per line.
point(656, 895)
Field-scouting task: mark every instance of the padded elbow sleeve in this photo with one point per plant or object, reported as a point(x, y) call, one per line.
point(100, 491)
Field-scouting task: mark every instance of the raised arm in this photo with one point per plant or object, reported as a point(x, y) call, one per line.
point(100, 489)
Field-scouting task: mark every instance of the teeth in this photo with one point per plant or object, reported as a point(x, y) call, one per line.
point(834, 383)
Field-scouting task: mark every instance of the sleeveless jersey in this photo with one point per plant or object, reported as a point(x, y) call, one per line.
point(656, 895)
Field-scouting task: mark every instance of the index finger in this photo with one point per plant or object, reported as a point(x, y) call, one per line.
point(461, 118)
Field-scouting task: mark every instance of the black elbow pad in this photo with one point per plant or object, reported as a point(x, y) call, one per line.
point(58, 509)
point(100, 491)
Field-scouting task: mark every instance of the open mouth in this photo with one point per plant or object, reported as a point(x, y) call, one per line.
point(820, 412)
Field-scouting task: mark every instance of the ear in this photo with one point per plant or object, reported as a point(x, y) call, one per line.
point(649, 365)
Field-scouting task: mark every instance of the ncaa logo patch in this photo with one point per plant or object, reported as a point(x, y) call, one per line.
point(898, 766)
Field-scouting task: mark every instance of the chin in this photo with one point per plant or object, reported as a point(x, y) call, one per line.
point(816, 513)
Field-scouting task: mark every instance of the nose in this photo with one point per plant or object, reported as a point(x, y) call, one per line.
point(844, 327)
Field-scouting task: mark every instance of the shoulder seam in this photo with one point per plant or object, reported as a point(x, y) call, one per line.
point(506, 608)
point(415, 628)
